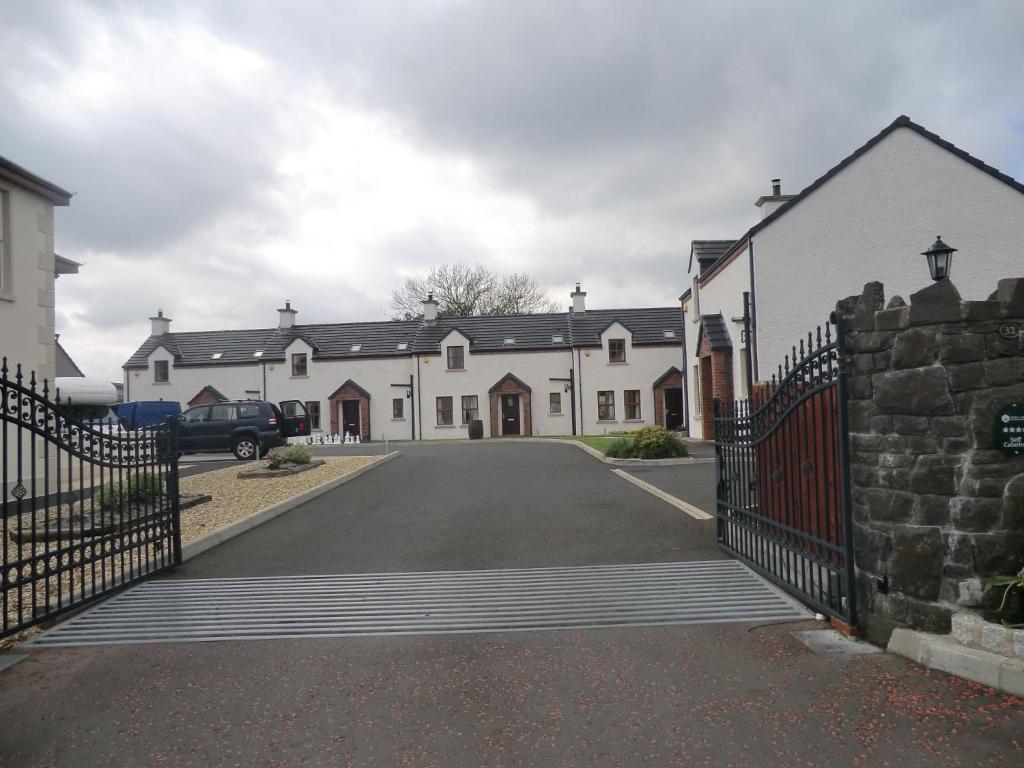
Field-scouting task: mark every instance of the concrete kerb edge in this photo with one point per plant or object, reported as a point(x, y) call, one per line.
point(693, 511)
point(198, 546)
point(946, 655)
point(617, 462)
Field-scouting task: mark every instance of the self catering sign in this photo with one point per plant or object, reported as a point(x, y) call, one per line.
point(1010, 429)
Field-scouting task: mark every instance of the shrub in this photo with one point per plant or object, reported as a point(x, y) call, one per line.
point(620, 449)
point(293, 454)
point(138, 490)
point(657, 443)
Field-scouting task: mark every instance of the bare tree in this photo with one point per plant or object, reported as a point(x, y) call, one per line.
point(461, 290)
point(517, 294)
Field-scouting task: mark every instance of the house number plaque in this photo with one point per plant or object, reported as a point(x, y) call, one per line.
point(1010, 429)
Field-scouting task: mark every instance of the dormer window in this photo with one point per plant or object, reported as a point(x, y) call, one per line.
point(669, 334)
point(456, 358)
point(356, 347)
point(216, 355)
point(556, 339)
point(616, 350)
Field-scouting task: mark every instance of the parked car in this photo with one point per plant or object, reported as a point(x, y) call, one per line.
point(246, 428)
point(146, 413)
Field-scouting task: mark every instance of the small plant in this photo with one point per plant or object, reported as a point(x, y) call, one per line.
point(138, 490)
point(657, 443)
point(293, 454)
point(1011, 584)
point(620, 449)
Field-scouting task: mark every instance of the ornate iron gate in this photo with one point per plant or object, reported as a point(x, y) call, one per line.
point(86, 508)
point(783, 493)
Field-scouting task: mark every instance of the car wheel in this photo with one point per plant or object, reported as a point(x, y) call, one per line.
point(245, 448)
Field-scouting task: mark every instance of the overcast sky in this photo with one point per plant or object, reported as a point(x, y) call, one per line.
point(225, 156)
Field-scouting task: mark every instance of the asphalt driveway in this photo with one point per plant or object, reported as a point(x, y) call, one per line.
point(738, 694)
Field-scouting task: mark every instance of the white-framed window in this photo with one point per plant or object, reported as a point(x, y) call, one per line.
point(398, 408)
point(313, 409)
point(456, 358)
point(606, 405)
point(300, 364)
point(161, 371)
point(616, 350)
point(470, 408)
point(444, 411)
point(631, 401)
point(555, 402)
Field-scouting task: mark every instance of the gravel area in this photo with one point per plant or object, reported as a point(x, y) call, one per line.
point(235, 499)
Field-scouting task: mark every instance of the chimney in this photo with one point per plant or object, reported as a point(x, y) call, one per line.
point(429, 309)
point(579, 304)
point(159, 324)
point(286, 316)
point(769, 204)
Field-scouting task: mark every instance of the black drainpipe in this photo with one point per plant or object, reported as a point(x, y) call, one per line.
point(752, 341)
point(419, 392)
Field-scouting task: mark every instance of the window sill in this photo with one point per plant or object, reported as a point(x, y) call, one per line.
point(293, 376)
point(402, 419)
point(5, 296)
point(444, 426)
point(619, 362)
point(455, 370)
point(632, 421)
point(607, 421)
point(556, 414)
point(161, 383)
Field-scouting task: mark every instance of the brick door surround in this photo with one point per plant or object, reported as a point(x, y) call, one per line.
point(350, 391)
point(511, 385)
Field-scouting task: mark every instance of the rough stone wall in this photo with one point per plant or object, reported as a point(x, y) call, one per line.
point(936, 509)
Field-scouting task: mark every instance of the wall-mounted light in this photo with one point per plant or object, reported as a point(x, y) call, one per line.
point(940, 259)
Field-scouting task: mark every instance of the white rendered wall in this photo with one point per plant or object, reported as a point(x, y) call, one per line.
point(643, 366)
point(870, 222)
point(722, 294)
point(27, 297)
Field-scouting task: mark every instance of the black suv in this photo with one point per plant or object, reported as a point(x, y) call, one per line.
point(247, 428)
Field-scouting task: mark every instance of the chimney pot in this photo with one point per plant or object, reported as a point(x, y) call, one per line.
point(579, 304)
point(159, 325)
point(776, 187)
point(286, 316)
point(430, 309)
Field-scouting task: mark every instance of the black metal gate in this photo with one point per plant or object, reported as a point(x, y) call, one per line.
point(783, 493)
point(87, 508)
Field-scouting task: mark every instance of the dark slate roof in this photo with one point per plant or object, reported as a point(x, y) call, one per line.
point(65, 365)
point(707, 252)
point(382, 339)
point(37, 184)
point(900, 122)
point(713, 326)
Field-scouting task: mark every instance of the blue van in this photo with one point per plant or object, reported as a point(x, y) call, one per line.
point(146, 413)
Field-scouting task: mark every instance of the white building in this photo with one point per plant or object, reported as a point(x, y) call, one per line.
point(588, 371)
point(28, 269)
point(868, 218)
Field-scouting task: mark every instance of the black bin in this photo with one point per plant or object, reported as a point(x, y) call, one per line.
point(476, 429)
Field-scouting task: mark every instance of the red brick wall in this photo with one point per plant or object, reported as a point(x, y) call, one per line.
point(203, 398)
point(509, 387)
point(715, 381)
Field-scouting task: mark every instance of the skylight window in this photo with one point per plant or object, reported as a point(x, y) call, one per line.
point(510, 340)
point(403, 345)
point(217, 356)
point(356, 347)
point(669, 334)
point(556, 339)
point(258, 354)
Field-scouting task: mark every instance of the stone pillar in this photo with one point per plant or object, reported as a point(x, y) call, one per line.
point(936, 508)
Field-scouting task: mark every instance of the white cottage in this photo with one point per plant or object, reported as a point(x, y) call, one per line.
point(582, 371)
point(868, 218)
